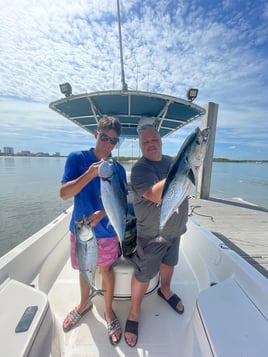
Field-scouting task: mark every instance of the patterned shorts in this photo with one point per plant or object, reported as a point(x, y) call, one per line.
point(108, 251)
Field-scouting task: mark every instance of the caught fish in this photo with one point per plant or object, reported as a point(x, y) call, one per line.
point(113, 196)
point(87, 254)
point(183, 173)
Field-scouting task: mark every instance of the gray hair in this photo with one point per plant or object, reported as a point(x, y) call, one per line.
point(145, 127)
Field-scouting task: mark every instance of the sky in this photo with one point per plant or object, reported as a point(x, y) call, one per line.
point(169, 46)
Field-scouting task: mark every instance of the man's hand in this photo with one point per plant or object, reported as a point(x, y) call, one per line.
point(94, 219)
point(93, 170)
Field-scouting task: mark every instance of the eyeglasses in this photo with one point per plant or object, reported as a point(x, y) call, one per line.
point(112, 141)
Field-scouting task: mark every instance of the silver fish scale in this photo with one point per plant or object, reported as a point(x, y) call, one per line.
point(87, 254)
point(183, 173)
point(113, 196)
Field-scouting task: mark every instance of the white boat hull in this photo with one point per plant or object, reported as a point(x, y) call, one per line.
point(225, 300)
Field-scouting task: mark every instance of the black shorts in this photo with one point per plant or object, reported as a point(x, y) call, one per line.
point(149, 257)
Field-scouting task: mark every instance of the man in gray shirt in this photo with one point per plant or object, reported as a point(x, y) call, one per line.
point(148, 177)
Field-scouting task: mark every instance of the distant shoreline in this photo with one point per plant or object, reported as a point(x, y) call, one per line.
point(124, 159)
point(241, 161)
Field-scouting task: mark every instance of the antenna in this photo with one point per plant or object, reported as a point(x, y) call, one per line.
point(124, 85)
point(137, 76)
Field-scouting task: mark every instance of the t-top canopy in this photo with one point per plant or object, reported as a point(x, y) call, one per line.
point(170, 113)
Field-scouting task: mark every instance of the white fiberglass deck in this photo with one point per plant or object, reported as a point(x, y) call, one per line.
point(225, 302)
point(209, 277)
point(162, 332)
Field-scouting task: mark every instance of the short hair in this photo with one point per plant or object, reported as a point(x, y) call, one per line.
point(109, 123)
point(145, 127)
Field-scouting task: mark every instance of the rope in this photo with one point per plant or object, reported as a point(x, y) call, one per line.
point(199, 214)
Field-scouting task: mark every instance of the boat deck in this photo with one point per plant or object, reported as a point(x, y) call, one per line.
point(214, 282)
point(162, 332)
point(242, 227)
point(157, 336)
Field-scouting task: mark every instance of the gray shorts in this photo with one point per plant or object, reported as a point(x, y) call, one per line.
point(149, 257)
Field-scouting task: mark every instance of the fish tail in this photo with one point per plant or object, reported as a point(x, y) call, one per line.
point(161, 239)
point(158, 239)
point(95, 292)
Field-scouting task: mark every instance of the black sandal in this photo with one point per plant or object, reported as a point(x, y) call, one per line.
point(172, 301)
point(132, 327)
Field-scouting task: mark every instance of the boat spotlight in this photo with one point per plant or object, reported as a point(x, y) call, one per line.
point(192, 94)
point(66, 89)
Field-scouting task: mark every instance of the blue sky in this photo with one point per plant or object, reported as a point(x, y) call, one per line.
point(219, 47)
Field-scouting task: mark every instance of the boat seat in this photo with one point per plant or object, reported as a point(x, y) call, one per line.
point(233, 324)
point(15, 297)
point(123, 274)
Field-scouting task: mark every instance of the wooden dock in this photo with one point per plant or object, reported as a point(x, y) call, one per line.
point(242, 227)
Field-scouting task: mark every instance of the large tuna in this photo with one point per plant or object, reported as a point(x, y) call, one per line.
point(183, 173)
point(113, 196)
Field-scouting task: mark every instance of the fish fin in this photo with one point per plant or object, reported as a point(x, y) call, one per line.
point(191, 176)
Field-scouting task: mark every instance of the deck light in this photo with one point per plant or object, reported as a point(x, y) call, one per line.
point(192, 94)
point(66, 89)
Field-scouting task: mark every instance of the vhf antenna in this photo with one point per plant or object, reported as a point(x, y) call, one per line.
point(124, 85)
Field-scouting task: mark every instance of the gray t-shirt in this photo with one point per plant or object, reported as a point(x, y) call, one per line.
point(144, 174)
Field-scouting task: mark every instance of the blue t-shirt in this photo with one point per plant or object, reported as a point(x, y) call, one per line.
point(88, 200)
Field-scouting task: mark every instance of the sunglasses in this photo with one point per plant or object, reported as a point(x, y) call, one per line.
point(112, 141)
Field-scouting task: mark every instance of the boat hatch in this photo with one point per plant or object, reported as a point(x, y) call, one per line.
point(170, 113)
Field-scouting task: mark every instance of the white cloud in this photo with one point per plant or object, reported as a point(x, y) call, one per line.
point(168, 46)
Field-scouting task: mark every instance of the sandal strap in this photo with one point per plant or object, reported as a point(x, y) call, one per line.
point(74, 316)
point(113, 326)
point(132, 327)
point(174, 300)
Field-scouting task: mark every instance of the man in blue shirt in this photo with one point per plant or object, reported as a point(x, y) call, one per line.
point(80, 180)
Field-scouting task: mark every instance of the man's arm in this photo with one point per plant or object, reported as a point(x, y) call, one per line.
point(72, 188)
point(154, 192)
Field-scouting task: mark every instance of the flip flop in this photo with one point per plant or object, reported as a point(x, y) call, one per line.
point(132, 327)
point(74, 317)
point(112, 327)
point(172, 301)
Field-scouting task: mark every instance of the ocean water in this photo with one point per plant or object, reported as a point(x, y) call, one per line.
point(29, 192)
point(246, 182)
point(29, 197)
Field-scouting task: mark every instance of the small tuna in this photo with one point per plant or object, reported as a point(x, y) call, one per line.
point(113, 196)
point(183, 173)
point(87, 254)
